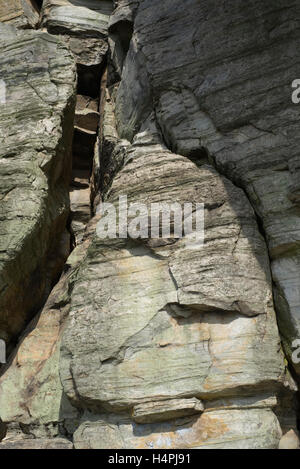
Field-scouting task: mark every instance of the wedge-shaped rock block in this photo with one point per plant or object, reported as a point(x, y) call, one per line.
point(36, 126)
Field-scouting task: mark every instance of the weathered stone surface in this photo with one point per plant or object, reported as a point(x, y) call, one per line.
point(290, 441)
point(57, 443)
point(30, 390)
point(84, 25)
point(31, 393)
point(234, 429)
point(217, 83)
point(2, 430)
point(198, 333)
point(81, 16)
point(23, 14)
point(120, 33)
point(88, 51)
point(165, 410)
point(168, 343)
point(36, 126)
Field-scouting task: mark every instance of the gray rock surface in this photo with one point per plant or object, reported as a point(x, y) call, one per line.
point(238, 429)
point(150, 342)
point(57, 443)
point(166, 410)
point(23, 14)
point(36, 126)
point(78, 16)
point(199, 332)
point(218, 86)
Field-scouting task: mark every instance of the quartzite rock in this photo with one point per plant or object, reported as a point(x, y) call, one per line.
point(233, 429)
point(41, 443)
point(167, 343)
point(144, 329)
point(36, 127)
point(219, 76)
point(23, 14)
point(80, 17)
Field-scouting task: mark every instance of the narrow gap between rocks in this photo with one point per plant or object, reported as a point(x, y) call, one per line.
point(85, 149)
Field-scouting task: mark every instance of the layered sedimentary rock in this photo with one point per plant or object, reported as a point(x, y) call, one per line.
point(23, 14)
point(79, 16)
point(84, 27)
point(174, 334)
point(36, 125)
point(151, 342)
point(33, 404)
point(227, 90)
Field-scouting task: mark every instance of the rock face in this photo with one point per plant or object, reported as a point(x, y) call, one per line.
point(84, 27)
point(89, 17)
point(226, 92)
point(151, 341)
point(23, 14)
point(36, 125)
point(58, 443)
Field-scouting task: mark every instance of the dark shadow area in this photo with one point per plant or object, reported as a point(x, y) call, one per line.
point(89, 79)
point(37, 4)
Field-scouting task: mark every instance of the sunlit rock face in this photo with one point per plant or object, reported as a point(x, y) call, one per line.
point(154, 342)
point(228, 88)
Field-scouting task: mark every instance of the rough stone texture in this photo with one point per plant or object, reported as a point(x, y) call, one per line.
point(78, 16)
point(226, 90)
point(36, 126)
point(41, 443)
point(199, 332)
point(167, 343)
point(31, 393)
point(23, 14)
point(30, 390)
point(84, 25)
point(234, 429)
